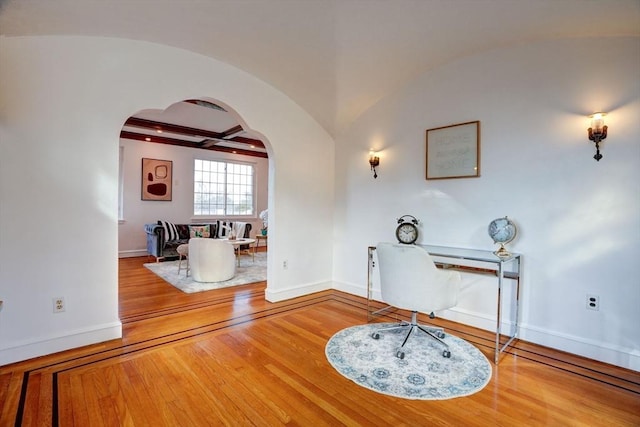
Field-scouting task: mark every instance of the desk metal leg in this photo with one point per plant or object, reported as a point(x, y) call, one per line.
point(499, 315)
point(514, 329)
point(370, 266)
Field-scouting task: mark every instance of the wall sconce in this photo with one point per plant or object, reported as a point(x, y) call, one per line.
point(597, 132)
point(374, 161)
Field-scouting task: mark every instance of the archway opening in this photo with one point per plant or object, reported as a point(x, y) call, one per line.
point(178, 137)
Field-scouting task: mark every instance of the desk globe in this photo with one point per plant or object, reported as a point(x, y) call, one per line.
point(502, 231)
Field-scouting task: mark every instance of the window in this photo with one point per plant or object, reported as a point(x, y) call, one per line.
point(223, 188)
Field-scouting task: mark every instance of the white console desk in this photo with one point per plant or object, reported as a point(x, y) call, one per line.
point(470, 261)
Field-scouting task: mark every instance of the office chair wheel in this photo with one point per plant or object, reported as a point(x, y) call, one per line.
point(446, 354)
point(400, 354)
point(440, 334)
point(375, 336)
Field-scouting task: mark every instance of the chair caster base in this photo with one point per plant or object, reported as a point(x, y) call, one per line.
point(400, 354)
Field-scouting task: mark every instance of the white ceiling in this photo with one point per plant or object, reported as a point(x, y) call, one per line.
point(335, 58)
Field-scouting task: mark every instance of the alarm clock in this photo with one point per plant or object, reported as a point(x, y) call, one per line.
point(407, 229)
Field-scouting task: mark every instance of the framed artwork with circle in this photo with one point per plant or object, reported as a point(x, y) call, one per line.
point(156, 179)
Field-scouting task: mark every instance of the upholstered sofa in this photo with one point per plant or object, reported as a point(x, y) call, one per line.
point(164, 247)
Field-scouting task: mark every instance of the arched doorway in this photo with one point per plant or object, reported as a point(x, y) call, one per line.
point(184, 131)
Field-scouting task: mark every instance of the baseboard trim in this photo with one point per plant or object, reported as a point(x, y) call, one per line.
point(49, 345)
point(296, 291)
point(625, 357)
point(354, 290)
point(132, 253)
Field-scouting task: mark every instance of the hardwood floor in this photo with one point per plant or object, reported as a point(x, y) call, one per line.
point(228, 357)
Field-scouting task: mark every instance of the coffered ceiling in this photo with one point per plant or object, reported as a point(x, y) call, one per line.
point(335, 58)
point(195, 124)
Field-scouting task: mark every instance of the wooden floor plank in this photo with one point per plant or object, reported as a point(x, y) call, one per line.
point(229, 357)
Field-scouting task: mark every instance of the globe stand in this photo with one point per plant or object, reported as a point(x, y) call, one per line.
point(502, 231)
point(502, 252)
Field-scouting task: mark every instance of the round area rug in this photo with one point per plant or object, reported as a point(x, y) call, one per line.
point(423, 373)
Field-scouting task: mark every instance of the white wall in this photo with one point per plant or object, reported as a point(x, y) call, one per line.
point(579, 220)
point(131, 236)
point(63, 101)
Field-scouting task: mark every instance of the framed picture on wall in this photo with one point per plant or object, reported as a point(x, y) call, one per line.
point(156, 179)
point(454, 151)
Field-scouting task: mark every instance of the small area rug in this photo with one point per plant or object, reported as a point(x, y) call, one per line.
point(249, 271)
point(423, 373)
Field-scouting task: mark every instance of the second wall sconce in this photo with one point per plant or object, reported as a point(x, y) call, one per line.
point(374, 161)
point(597, 132)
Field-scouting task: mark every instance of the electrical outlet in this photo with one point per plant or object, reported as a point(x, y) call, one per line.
point(285, 264)
point(58, 305)
point(593, 302)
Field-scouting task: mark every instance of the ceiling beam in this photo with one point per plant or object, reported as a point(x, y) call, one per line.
point(193, 132)
point(191, 144)
point(232, 131)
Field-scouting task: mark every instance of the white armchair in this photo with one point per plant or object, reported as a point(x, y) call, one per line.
point(211, 260)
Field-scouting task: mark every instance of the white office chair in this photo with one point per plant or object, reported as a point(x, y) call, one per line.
point(410, 280)
point(211, 260)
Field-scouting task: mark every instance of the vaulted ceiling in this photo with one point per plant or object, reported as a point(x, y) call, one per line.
point(335, 58)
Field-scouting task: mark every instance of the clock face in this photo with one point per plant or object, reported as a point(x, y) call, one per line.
point(407, 233)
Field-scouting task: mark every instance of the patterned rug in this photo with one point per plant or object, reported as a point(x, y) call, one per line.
point(249, 271)
point(423, 373)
